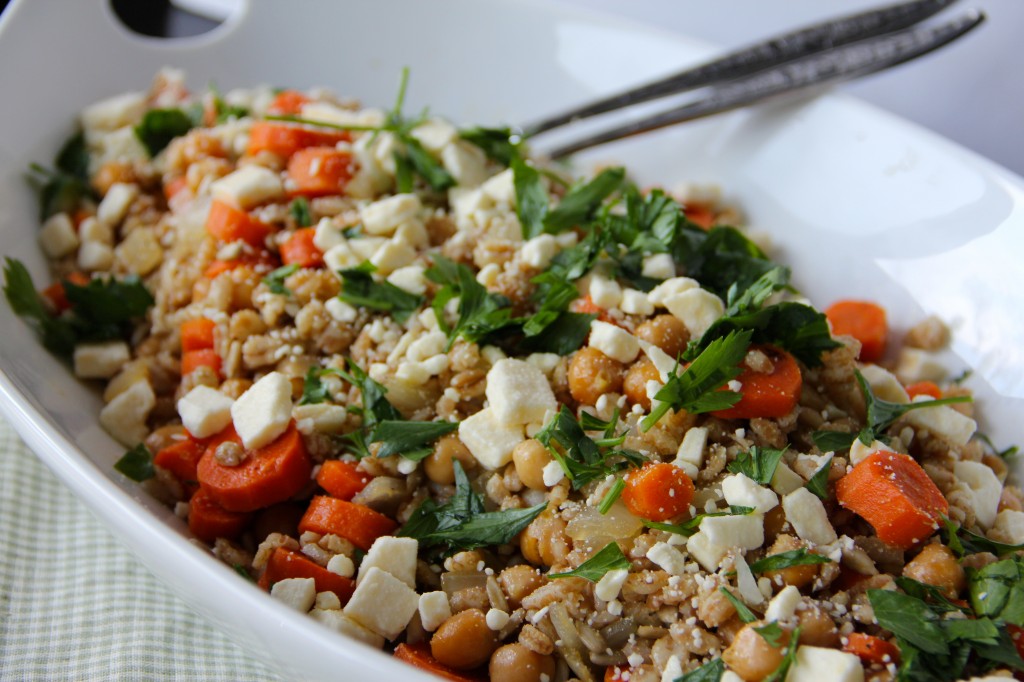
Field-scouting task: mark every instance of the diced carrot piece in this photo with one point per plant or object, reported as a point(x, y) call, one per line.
point(80, 216)
point(197, 334)
point(284, 563)
point(172, 187)
point(219, 266)
point(300, 250)
point(228, 224)
point(342, 479)
point(1016, 633)
point(319, 171)
point(56, 294)
point(929, 388)
point(700, 214)
point(419, 656)
point(871, 650)
point(194, 359)
point(287, 103)
point(208, 520)
point(264, 259)
point(894, 494)
point(356, 523)
point(266, 475)
point(769, 395)
point(182, 459)
point(657, 491)
point(864, 321)
point(284, 139)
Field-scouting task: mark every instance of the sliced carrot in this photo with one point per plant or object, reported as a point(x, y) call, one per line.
point(864, 321)
point(700, 214)
point(266, 475)
point(197, 334)
point(284, 563)
point(287, 103)
point(56, 294)
point(319, 171)
point(767, 395)
point(929, 388)
point(300, 250)
point(894, 494)
point(1016, 633)
point(587, 306)
point(229, 224)
point(342, 479)
point(284, 139)
point(356, 523)
point(208, 520)
point(172, 187)
point(182, 459)
point(871, 650)
point(419, 656)
point(657, 491)
point(264, 260)
point(194, 359)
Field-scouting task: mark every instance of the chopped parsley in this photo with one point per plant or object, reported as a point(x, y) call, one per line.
point(137, 464)
point(794, 557)
point(610, 558)
point(818, 483)
point(691, 526)
point(742, 612)
point(410, 439)
point(159, 126)
point(611, 496)
point(299, 212)
point(359, 288)
point(788, 659)
point(711, 671)
point(963, 541)
point(499, 144)
point(62, 189)
point(758, 464)
point(480, 312)
point(581, 457)
point(275, 280)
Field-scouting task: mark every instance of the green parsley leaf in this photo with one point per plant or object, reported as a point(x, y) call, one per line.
point(772, 633)
point(997, 590)
point(794, 557)
point(275, 280)
point(56, 334)
point(563, 336)
point(787, 660)
point(720, 258)
point(313, 390)
point(360, 289)
point(581, 202)
point(409, 438)
point(689, 527)
point(818, 483)
point(223, 111)
point(758, 464)
point(62, 190)
point(757, 293)
point(580, 457)
point(696, 389)
point(531, 198)
point(159, 126)
point(425, 165)
point(376, 407)
point(137, 463)
point(929, 594)
point(709, 672)
point(742, 612)
point(881, 414)
point(480, 313)
point(910, 619)
point(499, 144)
point(833, 441)
point(73, 157)
point(593, 569)
point(405, 180)
point(242, 571)
point(611, 496)
point(299, 211)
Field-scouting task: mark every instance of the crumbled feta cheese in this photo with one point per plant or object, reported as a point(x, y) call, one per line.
point(488, 275)
point(916, 364)
point(340, 311)
point(205, 411)
point(807, 515)
point(859, 452)
point(662, 361)
point(496, 619)
point(327, 235)
point(500, 188)
point(697, 309)
point(518, 392)
point(342, 565)
point(382, 217)
point(248, 187)
point(1010, 524)
point(668, 558)
point(659, 266)
point(669, 288)
point(884, 385)
point(263, 412)
point(100, 360)
point(114, 112)
point(58, 237)
point(783, 605)
point(434, 609)
point(613, 341)
point(339, 622)
point(942, 421)
point(611, 583)
point(984, 487)
point(490, 439)
point(435, 134)
point(743, 491)
point(392, 255)
point(635, 302)
point(125, 416)
point(466, 162)
point(604, 292)
point(746, 584)
point(545, 362)
point(673, 670)
point(785, 480)
point(691, 450)
point(552, 473)
point(426, 346)
point(410, 278)
point(538, 252)
point(396, 556)
point(745, 531)
point(814, 664)
point(298, 593)
point(94, 255)
point(115, 203)
point(375, 590)
point(92, 230)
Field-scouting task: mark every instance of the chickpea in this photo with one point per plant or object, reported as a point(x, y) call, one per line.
point(797, 576)
point(635, 383)
point(666, 332)
point(438, 465)
point(593, 374)
point(936, 565)
point(519, 582)
point(544, 542)
point(750, 656)
point(530, 457)
point(464, 641)
point(817, 628)
point(516, 663)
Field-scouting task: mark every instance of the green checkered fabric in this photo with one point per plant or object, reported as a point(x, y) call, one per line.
point(75, 605)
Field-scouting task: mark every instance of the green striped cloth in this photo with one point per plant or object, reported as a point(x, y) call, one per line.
point(75, 605)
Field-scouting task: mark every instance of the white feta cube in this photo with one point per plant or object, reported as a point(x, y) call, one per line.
point(611, 583)
point(697, 309)
point(662, 361)
point(340, 311)
point(93, 255)
point(488, 275)
point(435, 609)
point(298, 593)
point(57, 236)
point(604, 292)
point(984, 487)
point(673, 670)
point(807, 515)
point(114, 112)
point(691, 450)
point(496, 619)
point(396, 556)
point(668, 558)
point(707, 553)
point(814, 664)
point(635, 302)
point(658, 266)
point(382, 603)
point(942, 421)
point(1010, 524)
point(538, 251)
point(671, 287)
point(552, 473)
point(413, 233)
point(393, 255)
point(247, 187)
point(125, 416)
point(518, 392)
point(743, 491)
point(783, 605)
point(500, 188)
point(613, 341)
point(263, 412)
point(410, 278)
point(916, 364)
point(427, 346)
point(339, 564)
point(435, 134)
point(384, 216)
point(489, 439)
point(339, 622)
point(100, 360)
point(859, 452)
point(205, 411)
point(466, 162)
point(884, 384)
point(116, 203)
point(745, 531)
point(327, 235)
point(92, 230)
point(785, 480)
point(327, 600)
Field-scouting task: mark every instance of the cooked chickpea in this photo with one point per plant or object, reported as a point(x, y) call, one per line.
point(519, 582)
point(817, 628)
point(936, 565)
point(464, 641)
point(666, 332)
point(797, 576)
point(750, 656)
point(593, 374)
point(530, 457)
point(438, 465)
point(544, 542)
point(516, 663)
point(635, 383)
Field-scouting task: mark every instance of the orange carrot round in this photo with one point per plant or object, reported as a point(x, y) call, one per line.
point(230, 224)
point(657, 491)
point(287, 103)
point(300, 250)
point(319, 171)
point(284, 563)
point(194, 359)
point(356, 523)
point(871, 650)
point(181, 459)
point(197, 334)
point(894, 494)
point(267, 475)
point(208, 520)
point(341, 479)
point(700, 214)
point(284, 139)
point(767, 395)
point(172, 187)
point(419, 656)
point(929, 388)
point(864, 321)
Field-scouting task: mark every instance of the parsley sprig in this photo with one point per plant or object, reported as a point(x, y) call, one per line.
point(691, 526)
point(62, 189)
point(758, 464)
point(359, 288)
point(137, 463)
point(593, 569)
point(581, 457)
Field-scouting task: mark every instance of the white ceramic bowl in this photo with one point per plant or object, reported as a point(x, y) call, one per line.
point(861, 204)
